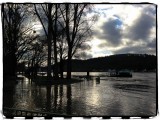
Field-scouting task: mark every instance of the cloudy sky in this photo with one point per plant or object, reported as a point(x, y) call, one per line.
point(124, 28)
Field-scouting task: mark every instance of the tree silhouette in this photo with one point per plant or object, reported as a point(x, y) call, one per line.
point(77, 28)
point(66, 28)
point(50, 12)
point(15, 31)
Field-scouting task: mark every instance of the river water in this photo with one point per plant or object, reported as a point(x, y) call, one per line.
point(111, 96)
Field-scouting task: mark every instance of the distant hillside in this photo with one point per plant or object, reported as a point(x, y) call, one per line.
point(136, 62)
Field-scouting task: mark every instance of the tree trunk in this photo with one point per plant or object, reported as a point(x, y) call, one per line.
point(36, 70)
point(48, 103)
point(14, 54)
point(69, 100)
point(69, 44)
point(32, 68)
point(55, 47)
point(49, 38)
point(69, 64)
point(61, 67)
point(9, 66)
point(10, 61)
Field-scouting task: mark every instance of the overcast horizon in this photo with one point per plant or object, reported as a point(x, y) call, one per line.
point(121, 29)
point(125, 29)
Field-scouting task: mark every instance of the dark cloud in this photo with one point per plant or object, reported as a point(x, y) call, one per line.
point(136, 49)
point(141, 28)
point(83, 55)
point(83, 52)
point(152, 44)
point(140, 31)
point(85, 47)
point(111, 32)
point(151, 9)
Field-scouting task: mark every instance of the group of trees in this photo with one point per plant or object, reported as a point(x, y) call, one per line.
point(65, 29)
point(15, 36)
point(135, 62)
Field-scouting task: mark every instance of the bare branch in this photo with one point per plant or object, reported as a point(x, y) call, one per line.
point(40, 20)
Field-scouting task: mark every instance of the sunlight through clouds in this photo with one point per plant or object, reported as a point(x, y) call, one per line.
point(123, 28)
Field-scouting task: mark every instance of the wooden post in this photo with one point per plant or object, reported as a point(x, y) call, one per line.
point(26, 113)
point(87, 74)
point(16, 113)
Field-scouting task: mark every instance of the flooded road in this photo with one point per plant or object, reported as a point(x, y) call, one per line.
point(110, 96)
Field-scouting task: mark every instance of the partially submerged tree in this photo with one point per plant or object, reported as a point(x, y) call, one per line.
point(66, 27)
point(14, 30)
point(47, 14)
point(77, 28)
point(61, 49)
point(49, 11)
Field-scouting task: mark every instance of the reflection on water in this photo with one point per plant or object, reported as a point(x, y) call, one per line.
point(69, 99)
point(110, 96)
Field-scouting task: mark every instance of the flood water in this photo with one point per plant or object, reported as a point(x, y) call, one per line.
point(111, 96)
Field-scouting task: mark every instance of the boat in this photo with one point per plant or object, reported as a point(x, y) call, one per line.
point(120, 73)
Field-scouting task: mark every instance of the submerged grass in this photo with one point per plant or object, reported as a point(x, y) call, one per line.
point(43, 80)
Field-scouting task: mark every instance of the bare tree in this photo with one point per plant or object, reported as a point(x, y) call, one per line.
point(37, 56)
point(51, 14)
point(62, 48)
point(24, 44)
point(54, 32)
point(66, 27)
point(14, 17)
point(77, 28)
